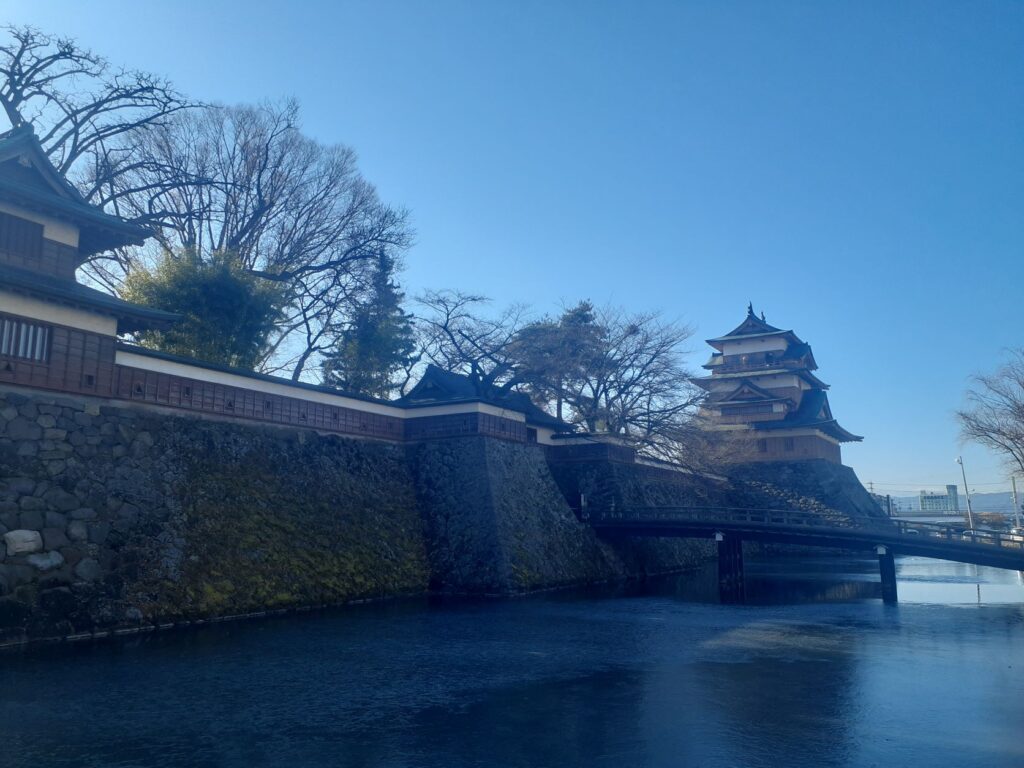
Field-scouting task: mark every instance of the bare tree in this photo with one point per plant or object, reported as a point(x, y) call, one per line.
point(613, 371)
point(605, 370)
point(82, 109)
point(994, 415)
point(241, 180)
point(454, 337)
point(246, 181)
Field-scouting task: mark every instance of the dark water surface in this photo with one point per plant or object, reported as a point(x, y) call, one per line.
point(814, 672)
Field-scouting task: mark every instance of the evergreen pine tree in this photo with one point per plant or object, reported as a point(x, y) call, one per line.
point(377, 343)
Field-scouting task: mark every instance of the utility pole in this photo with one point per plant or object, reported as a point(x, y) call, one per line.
point(1016, 506)
point(967, 492)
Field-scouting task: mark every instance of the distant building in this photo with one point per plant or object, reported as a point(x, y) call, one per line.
point(941, 502)
point(762, 387)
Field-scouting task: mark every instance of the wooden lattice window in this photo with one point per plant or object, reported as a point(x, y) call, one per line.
point(20, 237)
point(27, 341)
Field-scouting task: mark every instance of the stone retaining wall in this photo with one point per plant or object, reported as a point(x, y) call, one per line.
point(498, 523)
point(114, 516)
point(120, 517)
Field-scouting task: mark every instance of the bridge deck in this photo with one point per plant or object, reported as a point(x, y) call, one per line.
point(943, 542)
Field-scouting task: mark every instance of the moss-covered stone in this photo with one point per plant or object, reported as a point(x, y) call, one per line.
point(178, 517)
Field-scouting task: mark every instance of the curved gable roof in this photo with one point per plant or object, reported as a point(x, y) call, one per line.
point(35, 183)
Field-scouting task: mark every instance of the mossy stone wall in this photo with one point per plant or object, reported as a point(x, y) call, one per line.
point(115, 517)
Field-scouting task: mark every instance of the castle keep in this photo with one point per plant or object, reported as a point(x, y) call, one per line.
point(141, 490)
point(762, 388)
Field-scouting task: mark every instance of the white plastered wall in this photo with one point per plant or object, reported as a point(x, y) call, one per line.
point(173, 368)
point(53, 229)
point(747, 346)
point(34, 309)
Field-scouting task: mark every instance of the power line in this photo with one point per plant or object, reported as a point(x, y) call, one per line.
point(908, 483)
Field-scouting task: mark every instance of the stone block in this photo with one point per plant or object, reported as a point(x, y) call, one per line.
point(98, 532)
point(54, 538)
point(23, 486)
point(28, 448)
point(31, 520)
point(56, 520)
point(31, 503)
point(56, 577)
point(46, 561)
point(61, 500)
point(23, 428)
point(83, 513)
point(23, 541)
point(46, 421)
point(71, 555)
point(87, 570)
point(77, 531)
point(17, 575)
point(128, 513)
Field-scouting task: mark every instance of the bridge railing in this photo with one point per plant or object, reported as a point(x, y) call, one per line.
point(791, 518)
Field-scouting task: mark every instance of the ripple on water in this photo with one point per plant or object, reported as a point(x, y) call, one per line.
point(648, 677)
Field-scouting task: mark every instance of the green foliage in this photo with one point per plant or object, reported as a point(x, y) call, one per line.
point(611, 371)
point(376, 345)
point(228, 314)
point(554, 356)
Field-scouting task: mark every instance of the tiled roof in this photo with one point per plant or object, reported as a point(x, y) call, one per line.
point(438, 386)
point(130, 317)
point(814, 411)
point(99, 230)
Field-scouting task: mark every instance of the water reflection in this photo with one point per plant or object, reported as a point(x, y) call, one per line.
point(817, 672)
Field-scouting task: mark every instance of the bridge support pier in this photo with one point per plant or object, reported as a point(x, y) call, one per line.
point(887, 569)
point(731, 588)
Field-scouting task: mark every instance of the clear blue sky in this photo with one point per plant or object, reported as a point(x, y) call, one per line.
point(855, 169)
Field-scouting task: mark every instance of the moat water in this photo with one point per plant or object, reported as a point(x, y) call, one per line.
point(814, 671)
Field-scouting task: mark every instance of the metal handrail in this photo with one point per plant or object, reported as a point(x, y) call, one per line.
point(797, 518)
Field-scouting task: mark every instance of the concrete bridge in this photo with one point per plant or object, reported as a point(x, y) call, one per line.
point(730, 527)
